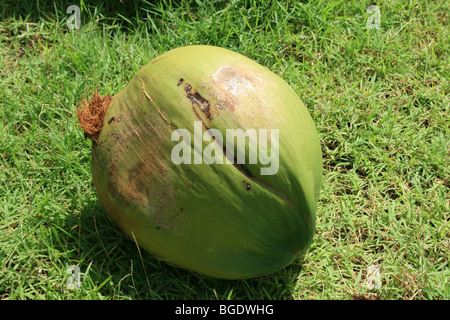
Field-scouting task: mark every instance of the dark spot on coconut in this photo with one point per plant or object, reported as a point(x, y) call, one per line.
point(180, 82)
point(114, 119)
point(307, 219)
point(197, 100)
point(247, 185)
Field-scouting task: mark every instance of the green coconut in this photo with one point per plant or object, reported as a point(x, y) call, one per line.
point(210, 161)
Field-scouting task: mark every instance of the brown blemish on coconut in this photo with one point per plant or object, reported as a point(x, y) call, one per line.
point(114, 119)
point(231, 83)
point(234, 80)
point(138, 187)
point(142, 181)
point(197, 100)
point(91, 115)
point(154, 103)
point(247, 185)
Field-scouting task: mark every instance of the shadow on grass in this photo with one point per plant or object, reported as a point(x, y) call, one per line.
point(119, 270)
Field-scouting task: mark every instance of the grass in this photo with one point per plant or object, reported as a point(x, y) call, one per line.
point(379, 98)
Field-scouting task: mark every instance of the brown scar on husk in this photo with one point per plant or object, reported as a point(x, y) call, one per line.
point(153, 101)
point(247, 185)
point(91, 115)
point(197, 99)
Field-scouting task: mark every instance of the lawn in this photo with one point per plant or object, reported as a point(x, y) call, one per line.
point(379, 96)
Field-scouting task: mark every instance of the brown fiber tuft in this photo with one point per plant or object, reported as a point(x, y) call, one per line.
point(91, 115)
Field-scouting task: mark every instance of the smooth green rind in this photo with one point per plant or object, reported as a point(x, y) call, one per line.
point(198, 216)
